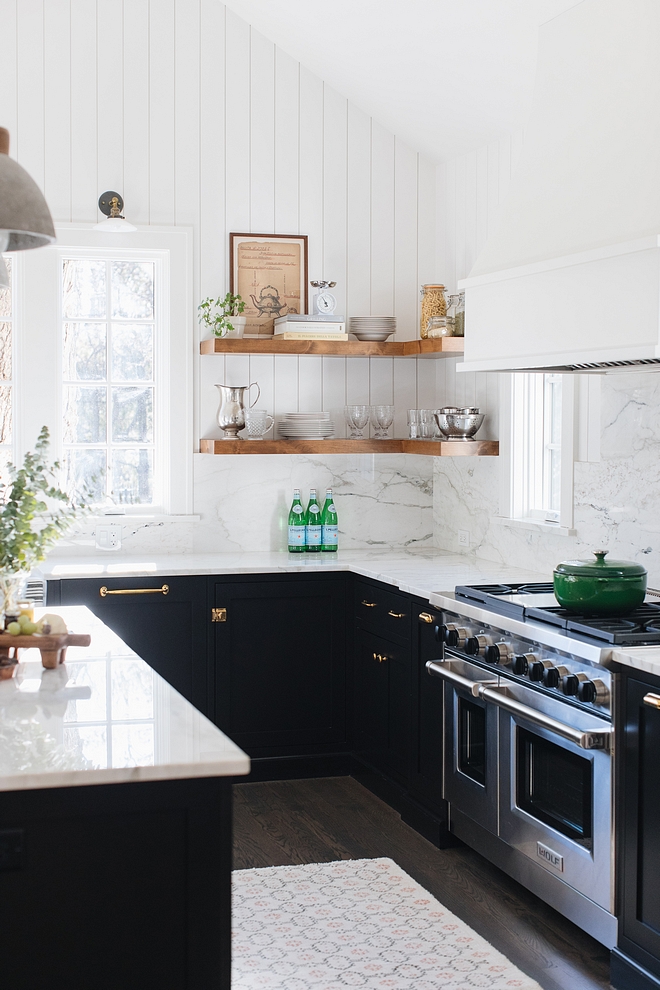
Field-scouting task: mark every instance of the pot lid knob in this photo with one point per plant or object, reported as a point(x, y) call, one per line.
point(600, 555)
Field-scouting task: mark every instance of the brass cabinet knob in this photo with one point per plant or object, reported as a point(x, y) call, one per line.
point(425, 617)
point(652, 700)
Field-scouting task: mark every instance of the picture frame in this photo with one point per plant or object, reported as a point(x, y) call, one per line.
point(270, 273)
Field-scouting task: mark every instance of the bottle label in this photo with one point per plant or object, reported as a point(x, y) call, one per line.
point(331, 507)
point(314, 509)
point(330, 536)
point(297, 509)
point(313, 536)
point(296, 536)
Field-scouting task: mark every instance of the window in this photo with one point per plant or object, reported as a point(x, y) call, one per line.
point(104, 358)
point(537, 449)
point(537, 446)
point(6, 373)
point(109, 328)
point(549, 421)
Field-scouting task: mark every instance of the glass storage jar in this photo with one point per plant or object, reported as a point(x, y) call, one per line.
point(433, 304)
point(439, 326)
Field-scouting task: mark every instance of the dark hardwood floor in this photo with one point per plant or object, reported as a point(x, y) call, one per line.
point(324, 819)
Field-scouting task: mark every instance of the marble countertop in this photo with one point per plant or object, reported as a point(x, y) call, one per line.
point(103, 717)
point(642, 658)
point(417, 571)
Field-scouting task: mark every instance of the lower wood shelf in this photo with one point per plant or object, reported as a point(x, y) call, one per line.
point(437, 348)
point(432, 448)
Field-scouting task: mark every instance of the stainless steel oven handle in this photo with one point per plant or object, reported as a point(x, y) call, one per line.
point(585, 738)
point(441, 668)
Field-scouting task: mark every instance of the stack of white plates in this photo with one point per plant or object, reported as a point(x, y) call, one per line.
point(373, 327)
point(307, 426)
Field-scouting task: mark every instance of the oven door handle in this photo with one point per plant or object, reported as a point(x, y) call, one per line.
point(584, 738)
point(441, 668)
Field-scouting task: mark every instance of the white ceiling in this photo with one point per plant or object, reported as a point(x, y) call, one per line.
point(446, 76)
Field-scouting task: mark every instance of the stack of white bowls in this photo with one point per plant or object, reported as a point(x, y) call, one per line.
point(372, 327)
point(306, 426)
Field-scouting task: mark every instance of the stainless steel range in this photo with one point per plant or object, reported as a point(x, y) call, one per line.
point(528, 739)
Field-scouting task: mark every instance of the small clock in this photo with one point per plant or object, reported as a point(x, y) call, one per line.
point(324, 302)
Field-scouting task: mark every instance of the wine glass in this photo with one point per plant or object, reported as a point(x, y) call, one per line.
point(382, 418)
point(357, 418)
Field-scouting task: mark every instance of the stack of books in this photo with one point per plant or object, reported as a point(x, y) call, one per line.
point(303, 326)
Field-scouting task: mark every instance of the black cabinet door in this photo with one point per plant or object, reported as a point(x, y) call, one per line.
point(427, 711)
point(381, 711)
point(280, 663)
point(639, 888)
point(169, 631)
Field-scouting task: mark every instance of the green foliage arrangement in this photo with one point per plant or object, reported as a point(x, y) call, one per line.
point(213, 313)
point(22, 500)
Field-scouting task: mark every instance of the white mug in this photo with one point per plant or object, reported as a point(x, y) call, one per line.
point(258, 422)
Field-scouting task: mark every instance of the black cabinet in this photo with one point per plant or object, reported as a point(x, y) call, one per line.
point(636, 962)
point(279, 659)
point(427, 711)
point(167, 628)
point(381, 696)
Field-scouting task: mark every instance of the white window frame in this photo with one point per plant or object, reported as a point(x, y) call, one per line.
point(580, 441)
point(38, 356)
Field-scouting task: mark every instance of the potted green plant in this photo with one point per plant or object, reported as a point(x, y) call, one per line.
point(223, 316)
point(29, 522)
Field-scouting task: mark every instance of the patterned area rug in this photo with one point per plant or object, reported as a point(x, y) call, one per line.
point(355, 923)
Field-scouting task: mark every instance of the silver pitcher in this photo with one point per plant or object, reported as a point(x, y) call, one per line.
point(231, 413)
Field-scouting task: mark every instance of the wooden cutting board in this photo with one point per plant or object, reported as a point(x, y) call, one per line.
point(52, 648)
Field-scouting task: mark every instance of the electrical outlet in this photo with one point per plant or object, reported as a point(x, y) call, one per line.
point(108, 537)
point(463, 538)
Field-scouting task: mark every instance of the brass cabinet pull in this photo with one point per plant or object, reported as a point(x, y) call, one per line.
point(369, 604)
point(425, 617)
point(397, 615)
point(652, 700)
point(218, 615)
point(381, 658)
point(165, 590)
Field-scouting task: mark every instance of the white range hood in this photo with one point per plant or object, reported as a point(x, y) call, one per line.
point(570, 277)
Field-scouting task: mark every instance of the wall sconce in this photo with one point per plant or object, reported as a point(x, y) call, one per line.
point(25, 220)
point(111, 204)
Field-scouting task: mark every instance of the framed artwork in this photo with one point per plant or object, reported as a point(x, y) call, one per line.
point(269, 272)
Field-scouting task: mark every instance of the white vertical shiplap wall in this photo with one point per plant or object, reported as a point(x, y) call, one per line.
point(199, 120)
point(470, 190)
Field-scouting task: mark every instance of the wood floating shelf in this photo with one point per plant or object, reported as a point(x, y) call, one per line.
point(433, 448)
point(440, 347)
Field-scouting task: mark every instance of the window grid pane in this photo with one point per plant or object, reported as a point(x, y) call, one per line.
point(536, 461)
point(108, 377)
point(6, 372)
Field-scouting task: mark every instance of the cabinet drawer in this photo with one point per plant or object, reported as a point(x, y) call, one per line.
point(385, 612)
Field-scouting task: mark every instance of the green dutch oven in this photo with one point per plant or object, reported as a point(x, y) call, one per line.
point(600, 587)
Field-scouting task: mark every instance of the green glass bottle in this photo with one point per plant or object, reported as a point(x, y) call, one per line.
point(313, 524)
point(296, 524)
point(329, 529)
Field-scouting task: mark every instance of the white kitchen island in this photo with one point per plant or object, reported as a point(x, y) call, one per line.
point(115, 825)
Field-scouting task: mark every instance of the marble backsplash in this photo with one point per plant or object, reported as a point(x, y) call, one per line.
point(617, 500)
point(243, 502)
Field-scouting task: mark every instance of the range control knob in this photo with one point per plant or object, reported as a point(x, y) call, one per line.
point(586, 691)
point(594, 692)
point(440, 633)
point(477, 646)
point(455, 635)
point(498, 653)
point(570, 683)
point(536, 668)
point(552, 676)
point(520, 664)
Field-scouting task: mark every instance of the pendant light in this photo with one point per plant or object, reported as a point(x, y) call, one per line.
point(111, 204)
point(25, 220)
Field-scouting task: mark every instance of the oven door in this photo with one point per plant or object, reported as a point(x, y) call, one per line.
point(470, 758)
point(555, 800)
